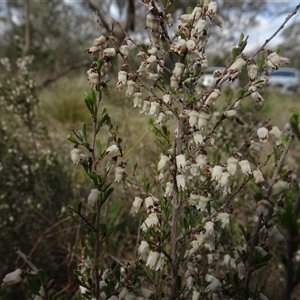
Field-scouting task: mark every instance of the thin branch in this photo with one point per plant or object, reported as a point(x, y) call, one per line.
point(294, 12)
point(26, 259)
point(64, 72)
point(279, 165)
point(98, 12)
point(84, 219)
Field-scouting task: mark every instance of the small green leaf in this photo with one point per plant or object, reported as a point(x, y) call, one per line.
point(235, 53)
point(84, 135)
point(241, 39)
point(33, 287)
point(134, 167)
point(189, 10)
point(71, 139)
point(100, 63)
point(93, 176)
point(79, 207)
point(294, 121)
point(41, 276)
point(90, 100)
point(144, 47)
point(108, 193)
point(241, 93)
point(77, 273)
point(260, 62)
point(98, 147)
point(117, 274)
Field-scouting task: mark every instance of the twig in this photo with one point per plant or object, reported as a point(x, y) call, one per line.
point(277, 31)
point(83, 218)
point(26, 259)
point(279, 164)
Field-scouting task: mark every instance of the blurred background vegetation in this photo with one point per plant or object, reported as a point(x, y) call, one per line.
point(37, 179)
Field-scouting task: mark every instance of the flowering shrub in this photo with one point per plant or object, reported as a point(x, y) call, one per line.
point(35, 187)
point(219, 212)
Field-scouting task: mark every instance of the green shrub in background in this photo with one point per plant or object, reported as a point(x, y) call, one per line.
point(35, 185)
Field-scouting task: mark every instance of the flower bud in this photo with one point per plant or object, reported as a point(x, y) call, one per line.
point(263, 208)
point(230, 113)
point(258, 177)
point(75, 156)
point(252, 69)
point(169, 19)
point(124, 50)
point(99, 41)
point(93, 196)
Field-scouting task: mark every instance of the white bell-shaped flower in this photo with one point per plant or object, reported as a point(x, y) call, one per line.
point(75, 156)
point(12, 278)
point(152, 220)
point(216, 173)
point(180, 179)
point(93, 196)
point(231, 165)
point(181, 162)
point(245, 167)
point(136, 205)
point(163, 162)
point(263, 134)
point(214, 284)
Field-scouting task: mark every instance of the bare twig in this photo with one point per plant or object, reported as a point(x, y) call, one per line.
point(26, 259)
point(294, 12)
point(64, 72)
point(279, 165)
